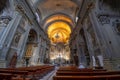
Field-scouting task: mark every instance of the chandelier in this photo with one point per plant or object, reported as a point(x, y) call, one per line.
point(57, 36)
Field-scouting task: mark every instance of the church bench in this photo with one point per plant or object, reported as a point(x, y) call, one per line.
point(76, 70)
point(15, 73)
point(87, 73)
point(37, 71)
point(28, 72)
point(69, 68)
point(82, 70)
point(5, 76)
point(8, 76)
point(19, 78)
point(103, 77)
point(19, 74)
point(96, 70)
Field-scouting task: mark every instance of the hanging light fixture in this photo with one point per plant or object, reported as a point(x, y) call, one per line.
point(57, 36)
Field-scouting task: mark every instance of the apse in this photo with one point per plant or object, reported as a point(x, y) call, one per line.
point(59, 32)
point(59, 29)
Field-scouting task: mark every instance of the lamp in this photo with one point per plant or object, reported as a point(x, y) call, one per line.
point(57, 36)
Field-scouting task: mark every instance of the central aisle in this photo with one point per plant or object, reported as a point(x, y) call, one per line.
point(50, 75)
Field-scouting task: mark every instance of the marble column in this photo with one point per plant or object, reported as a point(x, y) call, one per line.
point(8, 37)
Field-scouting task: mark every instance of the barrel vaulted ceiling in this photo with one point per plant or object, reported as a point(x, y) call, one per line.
point(58, 18)
point(50, 7)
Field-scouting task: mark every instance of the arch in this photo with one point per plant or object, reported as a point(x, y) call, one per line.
point(33, 35)
point(63, 30)
point(59, 29)
point(57, 17)
point(31, 45)
point(57, 13)
point(70, 25)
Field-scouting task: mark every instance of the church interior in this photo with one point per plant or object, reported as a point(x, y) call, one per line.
point(59, 39)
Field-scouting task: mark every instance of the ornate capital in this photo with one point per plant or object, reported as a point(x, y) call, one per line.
point(104, 19)
point(20, 9)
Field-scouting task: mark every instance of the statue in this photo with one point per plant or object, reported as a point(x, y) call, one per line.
point(100, 59)
point(81, 66)
point(94, 61)
point(13, 61)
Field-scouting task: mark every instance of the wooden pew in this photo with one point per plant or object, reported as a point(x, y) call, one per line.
point(63, 73)
point(73, 73)
point(75, 69)
point(96, 70)
point(36, 72)
point(33, 72)
point(5, 76)
point(103, 77)
point(15, 74)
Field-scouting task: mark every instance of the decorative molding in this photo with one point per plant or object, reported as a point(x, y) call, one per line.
point(116, 25)
point(20, 9)
point(4, 20)
point(104, 19)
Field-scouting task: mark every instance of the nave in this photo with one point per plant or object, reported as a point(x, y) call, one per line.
point(59, 39)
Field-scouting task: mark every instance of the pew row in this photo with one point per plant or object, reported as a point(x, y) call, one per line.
point(5, 76)
point(63, 73)
point(26, 73)
point(103, 77)
point(74, 73)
